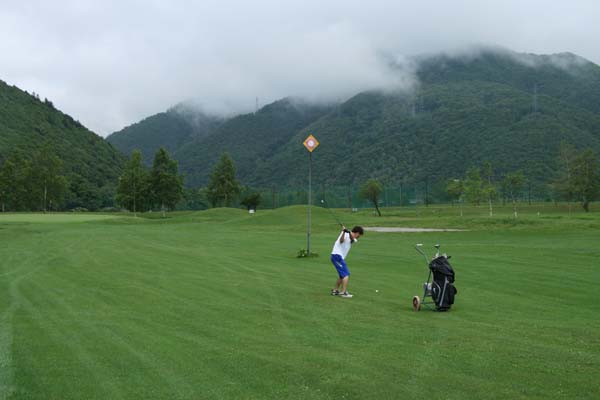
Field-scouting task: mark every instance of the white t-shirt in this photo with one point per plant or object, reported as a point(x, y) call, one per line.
point(342, 248)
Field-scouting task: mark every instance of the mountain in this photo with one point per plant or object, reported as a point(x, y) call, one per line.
point(507, 108)
point(491, 107)
point(252, 140)
point(27, 123)
point(171, 130)
point(565, 76)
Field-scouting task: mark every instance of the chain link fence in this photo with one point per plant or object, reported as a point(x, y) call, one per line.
point(341, 197)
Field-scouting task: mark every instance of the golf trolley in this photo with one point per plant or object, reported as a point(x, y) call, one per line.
point(440, 283)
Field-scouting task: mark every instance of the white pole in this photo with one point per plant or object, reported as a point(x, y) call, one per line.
point(309, 199)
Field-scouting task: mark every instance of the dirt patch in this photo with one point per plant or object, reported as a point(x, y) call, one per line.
point(408, 230)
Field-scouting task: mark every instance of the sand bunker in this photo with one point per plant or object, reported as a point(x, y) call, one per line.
point(410, 230)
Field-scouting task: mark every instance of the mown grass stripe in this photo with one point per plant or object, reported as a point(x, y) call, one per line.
point(216, 305)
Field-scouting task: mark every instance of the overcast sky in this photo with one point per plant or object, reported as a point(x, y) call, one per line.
point(112, 63)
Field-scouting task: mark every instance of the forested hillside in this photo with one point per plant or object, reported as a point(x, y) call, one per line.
point(28, 125)
point(251, 139)
point(171, 129)
point(510, 109)
point(564, 76)
point(507, 109)
point(437, 135)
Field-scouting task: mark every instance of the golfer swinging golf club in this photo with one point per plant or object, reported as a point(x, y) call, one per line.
point(341, 247)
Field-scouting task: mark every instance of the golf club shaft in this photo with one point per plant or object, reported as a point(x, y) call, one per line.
point(332, 213)
point(335, 217)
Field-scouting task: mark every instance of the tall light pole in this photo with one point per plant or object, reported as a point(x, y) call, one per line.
point(311, 144)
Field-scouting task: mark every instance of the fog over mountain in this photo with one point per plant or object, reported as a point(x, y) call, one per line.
point(110, 64)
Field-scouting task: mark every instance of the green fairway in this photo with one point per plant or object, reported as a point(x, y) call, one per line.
point(216, 305)
point(53, 218)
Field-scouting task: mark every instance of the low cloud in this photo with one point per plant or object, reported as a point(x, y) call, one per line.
point(110, 64)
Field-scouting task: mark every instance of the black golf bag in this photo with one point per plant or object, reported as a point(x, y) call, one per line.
point(442, 286)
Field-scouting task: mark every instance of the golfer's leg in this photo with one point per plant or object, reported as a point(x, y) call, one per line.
point(345, 284)
point(338, 283)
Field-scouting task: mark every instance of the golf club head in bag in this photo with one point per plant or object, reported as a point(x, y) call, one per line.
point(442, 288)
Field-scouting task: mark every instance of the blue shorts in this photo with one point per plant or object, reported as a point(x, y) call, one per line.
point(339, 264)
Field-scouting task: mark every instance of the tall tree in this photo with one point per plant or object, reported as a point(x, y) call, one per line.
point(513, 185)
point(473, 186)
point(251, 201)
point(14, 175)
point(166, 184)
point(489, 189)
point(48, 186)
point(563, 185)
point(223, 186)
point(132, 190)
point(371, 191)
point(585, 178)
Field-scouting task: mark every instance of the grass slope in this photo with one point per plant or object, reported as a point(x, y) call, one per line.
point(216, 305)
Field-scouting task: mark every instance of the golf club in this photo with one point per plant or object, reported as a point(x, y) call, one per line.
point(334, 216)
point(418, 247)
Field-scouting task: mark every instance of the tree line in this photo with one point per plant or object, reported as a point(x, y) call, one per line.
point(161, 187)
point(577, 180)
point(32, 184)
point(37, 183)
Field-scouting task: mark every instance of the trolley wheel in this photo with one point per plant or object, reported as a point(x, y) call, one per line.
point(416, 303)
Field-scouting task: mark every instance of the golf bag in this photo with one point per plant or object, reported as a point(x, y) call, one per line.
point(442, 286)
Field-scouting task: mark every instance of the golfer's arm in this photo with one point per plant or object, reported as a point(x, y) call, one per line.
point(342, 236)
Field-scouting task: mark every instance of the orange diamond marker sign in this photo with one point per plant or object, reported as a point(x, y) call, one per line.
point(311, 143)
